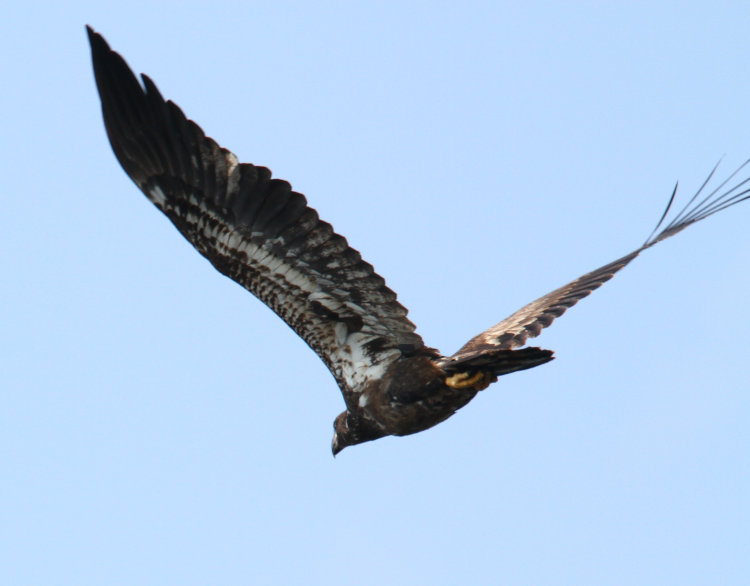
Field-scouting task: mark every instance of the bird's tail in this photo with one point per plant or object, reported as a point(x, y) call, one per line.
point(499, 361)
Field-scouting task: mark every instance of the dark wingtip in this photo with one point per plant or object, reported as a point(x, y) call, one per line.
point(95, 39)
point(695, 210)
point(151, 88)
point(663, 216)
point(99, 47)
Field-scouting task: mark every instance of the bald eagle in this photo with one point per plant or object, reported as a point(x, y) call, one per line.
point(260, 233)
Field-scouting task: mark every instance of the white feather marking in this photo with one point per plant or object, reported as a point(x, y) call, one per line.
point(355, 308)
point(342, 332)
point(278, 241)
point(300, 280)
point(233, 240)
point(157, 196)
point(326, 300)
point(316, 296)
point(233, 173)
point(361, 366)
point(271, 262)
point(233, 162)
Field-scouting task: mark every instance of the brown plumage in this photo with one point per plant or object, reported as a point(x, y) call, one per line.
point(259, 232)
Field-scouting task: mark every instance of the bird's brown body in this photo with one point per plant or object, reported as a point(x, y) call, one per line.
point(416, 393)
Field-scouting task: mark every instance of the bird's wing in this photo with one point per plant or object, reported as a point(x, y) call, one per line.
point(530, 320)
point(254, 229)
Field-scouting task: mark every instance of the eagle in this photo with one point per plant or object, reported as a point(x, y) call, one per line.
point(260, 233)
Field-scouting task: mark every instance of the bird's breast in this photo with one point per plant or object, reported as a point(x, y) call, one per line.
point(412, 397)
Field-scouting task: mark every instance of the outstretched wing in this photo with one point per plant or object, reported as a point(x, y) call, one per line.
point(530, 320)
point(254, 229)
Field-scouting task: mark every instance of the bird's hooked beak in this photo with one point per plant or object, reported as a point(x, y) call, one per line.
point(335, 446)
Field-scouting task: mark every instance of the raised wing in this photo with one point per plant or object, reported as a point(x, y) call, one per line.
point(530, 320)
point(254, 229)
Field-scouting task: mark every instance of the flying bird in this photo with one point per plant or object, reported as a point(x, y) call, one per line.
point(260, 233)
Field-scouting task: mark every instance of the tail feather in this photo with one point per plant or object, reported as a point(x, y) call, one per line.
point(499, 360)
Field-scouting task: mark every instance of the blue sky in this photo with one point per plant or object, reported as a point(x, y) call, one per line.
point(158, 425)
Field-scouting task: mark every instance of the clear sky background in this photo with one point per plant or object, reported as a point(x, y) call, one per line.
point(159, 425)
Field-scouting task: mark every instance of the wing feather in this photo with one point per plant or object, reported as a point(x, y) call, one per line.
point(253, 228)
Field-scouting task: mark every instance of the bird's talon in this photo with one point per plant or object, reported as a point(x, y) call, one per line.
point(462, 380)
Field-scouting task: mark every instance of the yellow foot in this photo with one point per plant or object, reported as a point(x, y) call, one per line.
point(461, 380)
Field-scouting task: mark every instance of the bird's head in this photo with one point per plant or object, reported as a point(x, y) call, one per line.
point(342, 434)
point(349, 430)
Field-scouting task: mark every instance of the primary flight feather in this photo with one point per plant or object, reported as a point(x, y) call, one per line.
point(260, 233)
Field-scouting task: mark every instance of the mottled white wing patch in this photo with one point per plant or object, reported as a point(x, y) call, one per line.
point(361, 364)
point(254, 229)
point(351, 341)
